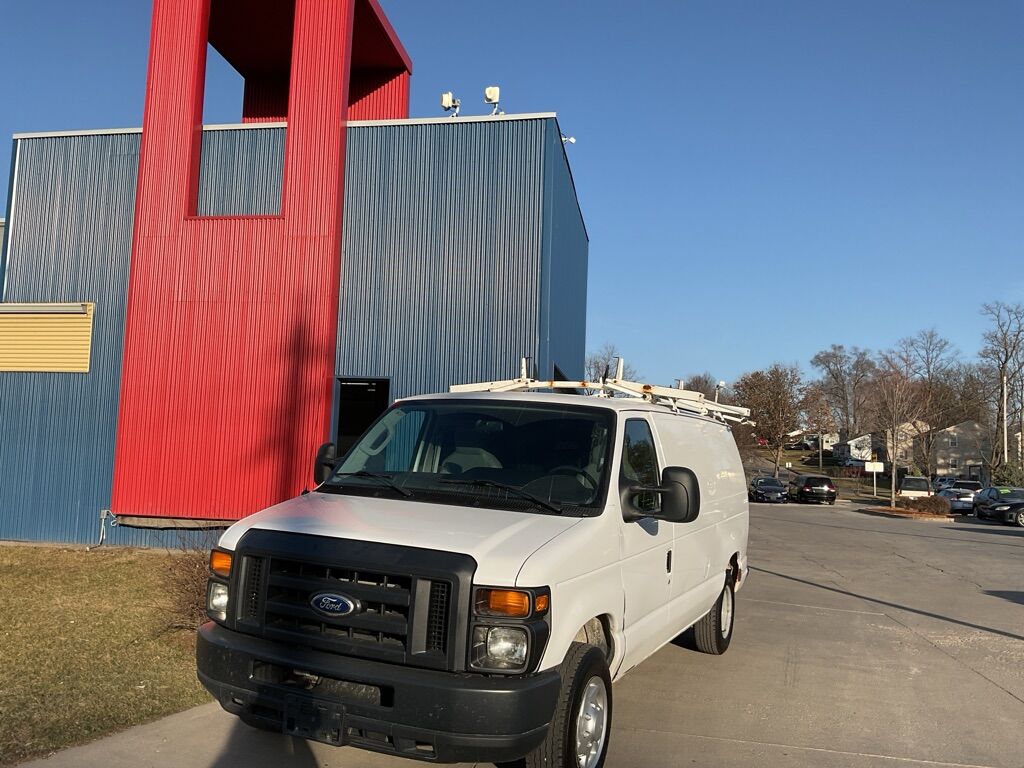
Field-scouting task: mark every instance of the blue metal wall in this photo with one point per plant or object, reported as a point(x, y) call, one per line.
point(240, 172)
point(70, 240)
point(441, 254)
point(463, 251)
point(563, 307)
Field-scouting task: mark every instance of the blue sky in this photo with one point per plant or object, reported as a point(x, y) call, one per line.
point(759, 180)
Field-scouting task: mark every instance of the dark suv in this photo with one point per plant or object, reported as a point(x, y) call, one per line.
point(812, 488)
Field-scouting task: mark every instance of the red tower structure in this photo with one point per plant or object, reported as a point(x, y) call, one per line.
point(231, 322)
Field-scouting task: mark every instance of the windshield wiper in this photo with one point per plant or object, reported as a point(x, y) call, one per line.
point(374, 476)
point(511, 489)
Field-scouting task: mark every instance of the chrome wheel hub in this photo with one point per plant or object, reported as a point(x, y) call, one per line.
point(726, 623)
point(591, 723)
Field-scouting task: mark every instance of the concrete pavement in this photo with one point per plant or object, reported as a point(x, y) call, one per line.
point(861, 642)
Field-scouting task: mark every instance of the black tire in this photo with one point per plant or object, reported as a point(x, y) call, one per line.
point(581, 664)
point(832, 503)
point(713, 632)
point(1018, 519)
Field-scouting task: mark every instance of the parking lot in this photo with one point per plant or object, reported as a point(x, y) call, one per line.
point(860, 641)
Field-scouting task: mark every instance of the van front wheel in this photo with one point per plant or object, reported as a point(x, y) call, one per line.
point(580, 728)
point(713, 632)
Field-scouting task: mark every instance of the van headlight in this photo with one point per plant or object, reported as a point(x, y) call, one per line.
point(217, 600)
point(500, 648)
point(510, 629)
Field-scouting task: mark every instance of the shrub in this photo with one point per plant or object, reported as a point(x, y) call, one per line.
point(186, 574)
point(929, 505)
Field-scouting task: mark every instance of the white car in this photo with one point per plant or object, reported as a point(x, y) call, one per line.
point(477, 572)
point(914, 488)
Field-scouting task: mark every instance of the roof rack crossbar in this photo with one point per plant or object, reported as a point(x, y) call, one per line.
point(670, 397)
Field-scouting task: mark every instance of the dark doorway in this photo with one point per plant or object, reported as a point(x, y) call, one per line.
point(359, 403)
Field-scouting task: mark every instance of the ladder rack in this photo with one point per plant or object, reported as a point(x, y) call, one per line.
point(675, 399)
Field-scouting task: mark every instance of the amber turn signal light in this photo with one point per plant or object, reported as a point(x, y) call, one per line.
point(220, 563)
point(541, 603)
point(503, 602)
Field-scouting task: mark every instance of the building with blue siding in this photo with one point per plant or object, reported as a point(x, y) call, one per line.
point(464, 250)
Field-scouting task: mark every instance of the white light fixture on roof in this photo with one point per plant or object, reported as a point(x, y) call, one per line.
point(492, 95)
point(568, 139)
point(449, 103)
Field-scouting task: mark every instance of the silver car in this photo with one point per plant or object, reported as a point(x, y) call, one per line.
point(961, 495)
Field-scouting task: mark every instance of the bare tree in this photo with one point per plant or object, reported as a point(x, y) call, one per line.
point(1003, 346)
point(846, 375)
point(605, 359)
point(773, 397)
point(897, 403)
point(818, 416)
point(707, 385)
point(929, 359)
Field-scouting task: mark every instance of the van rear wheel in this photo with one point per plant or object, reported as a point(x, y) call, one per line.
point(713, 632)
point(581, 726)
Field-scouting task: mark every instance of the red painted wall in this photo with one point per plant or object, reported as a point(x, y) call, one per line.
point(231, 321)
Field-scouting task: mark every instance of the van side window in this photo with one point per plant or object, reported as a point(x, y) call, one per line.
point(640, 463)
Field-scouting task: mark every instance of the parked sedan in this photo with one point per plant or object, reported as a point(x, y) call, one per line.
point(961, 495)
point(1000, 503)
point(812, 488)
point(767, 489)
point(959, 501)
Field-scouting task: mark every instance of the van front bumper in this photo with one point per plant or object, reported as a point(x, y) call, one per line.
point(443, 717)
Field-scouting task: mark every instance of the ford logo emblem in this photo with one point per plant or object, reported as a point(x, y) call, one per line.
point(330, 604)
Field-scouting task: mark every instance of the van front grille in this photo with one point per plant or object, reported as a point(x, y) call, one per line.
point(401, 615)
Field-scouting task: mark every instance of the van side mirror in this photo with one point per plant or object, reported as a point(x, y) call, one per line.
point(680, 495)
point(326, 461)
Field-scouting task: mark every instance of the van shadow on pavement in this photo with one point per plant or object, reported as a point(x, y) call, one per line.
point(248, 747)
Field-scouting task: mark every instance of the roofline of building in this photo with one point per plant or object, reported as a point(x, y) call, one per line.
point(352, 124)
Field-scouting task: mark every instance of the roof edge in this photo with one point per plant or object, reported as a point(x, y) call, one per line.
point(256, 126)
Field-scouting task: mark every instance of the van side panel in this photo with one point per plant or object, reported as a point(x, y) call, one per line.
point(702, 549)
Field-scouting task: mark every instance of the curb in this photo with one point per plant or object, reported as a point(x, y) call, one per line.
point(899, 516)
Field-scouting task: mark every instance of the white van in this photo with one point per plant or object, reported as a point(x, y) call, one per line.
point(477, 571)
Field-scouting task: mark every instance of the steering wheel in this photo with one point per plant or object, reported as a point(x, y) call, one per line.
point(590, 482)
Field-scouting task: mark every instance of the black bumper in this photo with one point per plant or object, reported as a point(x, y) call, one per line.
point(442, 717)
point(817, 496)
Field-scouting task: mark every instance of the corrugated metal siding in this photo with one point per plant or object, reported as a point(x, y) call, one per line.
point(46, 337)
point(70, 240)
point(379, 96)
point(442, 275)
point(564, 307)
point(230, 332)
point(240, 172)
point(442, 252)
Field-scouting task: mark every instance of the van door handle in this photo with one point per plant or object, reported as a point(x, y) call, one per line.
point(668, 562)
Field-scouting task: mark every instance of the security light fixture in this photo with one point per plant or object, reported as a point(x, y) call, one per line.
point(568, 139)
point(492, 95)
point(450, 103)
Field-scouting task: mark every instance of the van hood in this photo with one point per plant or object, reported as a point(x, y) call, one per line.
point(499, 540)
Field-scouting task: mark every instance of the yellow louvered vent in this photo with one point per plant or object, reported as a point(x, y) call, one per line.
point(53, 338)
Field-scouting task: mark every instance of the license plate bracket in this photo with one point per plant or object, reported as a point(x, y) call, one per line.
point(314, 719)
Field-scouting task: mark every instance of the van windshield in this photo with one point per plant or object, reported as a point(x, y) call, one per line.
point(535, 457)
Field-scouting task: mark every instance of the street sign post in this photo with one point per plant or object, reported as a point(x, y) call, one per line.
point(874, 467)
